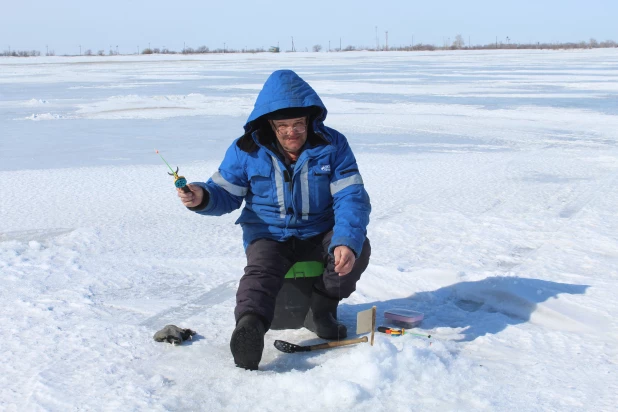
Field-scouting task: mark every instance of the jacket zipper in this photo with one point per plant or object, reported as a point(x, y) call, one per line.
point(288, 179)
point(345, 172)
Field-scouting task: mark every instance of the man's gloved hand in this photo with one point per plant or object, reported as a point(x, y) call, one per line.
point(173, 334)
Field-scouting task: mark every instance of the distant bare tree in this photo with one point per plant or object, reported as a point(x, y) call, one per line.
point(88, 52)
point(459, 42)
point(594, 43)
point(101, 52)
point(317, 47)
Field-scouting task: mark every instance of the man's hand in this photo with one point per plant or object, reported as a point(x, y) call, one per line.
point(344, 260)
point(192, 198)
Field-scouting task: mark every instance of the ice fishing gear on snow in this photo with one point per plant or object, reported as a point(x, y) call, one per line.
point(288, 347)
point(399, 332)
point(173, 334)
point(403, 318)
point(391, 331)
point(179, 181)
point(366, 322)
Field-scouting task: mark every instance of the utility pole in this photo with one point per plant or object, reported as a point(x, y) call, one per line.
point(46, 50)
point(329, 45)
point(184, 46)
point(339, 43)
point(138, 49)
point(223, 48)
point(496, 42)
point(80, 49)
point(386, 44)
point(293, 44)
point(469, 44)
point(412, 46)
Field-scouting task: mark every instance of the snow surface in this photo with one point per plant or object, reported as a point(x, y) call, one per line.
point(494, 183)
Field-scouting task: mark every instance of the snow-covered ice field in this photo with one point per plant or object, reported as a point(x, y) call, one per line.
point(494, 183)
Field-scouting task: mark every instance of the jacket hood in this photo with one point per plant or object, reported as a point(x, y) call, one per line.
point(284, 89)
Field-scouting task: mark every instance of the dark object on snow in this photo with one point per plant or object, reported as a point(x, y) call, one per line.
point(288, 347)
point(322, 317)
point(294, 298)
point(173, 334)
point(247, 342)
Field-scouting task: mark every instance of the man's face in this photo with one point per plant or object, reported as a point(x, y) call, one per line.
point(291, 133)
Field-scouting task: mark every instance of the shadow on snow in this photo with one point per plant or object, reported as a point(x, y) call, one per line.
point(478, 308)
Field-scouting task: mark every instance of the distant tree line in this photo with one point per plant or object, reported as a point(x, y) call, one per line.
point(200, 50)
point(458, 44)
point(20, 53)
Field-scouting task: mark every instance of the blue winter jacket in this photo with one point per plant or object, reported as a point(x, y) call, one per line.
point(323, 191)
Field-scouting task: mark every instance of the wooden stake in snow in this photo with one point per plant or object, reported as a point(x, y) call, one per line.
point(366, 322)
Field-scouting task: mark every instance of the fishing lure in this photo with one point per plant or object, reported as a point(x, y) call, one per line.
point(179, 181)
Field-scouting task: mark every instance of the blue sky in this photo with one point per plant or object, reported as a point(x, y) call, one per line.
point(63, 25)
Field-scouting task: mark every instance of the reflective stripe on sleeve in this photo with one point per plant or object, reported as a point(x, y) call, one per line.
point(304, 190)
point(341, 184)
point(279, 183)
point(229, 187)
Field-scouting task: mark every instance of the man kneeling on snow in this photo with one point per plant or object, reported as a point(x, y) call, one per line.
point(304, 200)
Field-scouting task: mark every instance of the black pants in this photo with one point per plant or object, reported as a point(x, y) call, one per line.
point(268, 261)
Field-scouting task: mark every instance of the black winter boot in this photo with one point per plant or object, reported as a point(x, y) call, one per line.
point(322, 318)
point(247, 342)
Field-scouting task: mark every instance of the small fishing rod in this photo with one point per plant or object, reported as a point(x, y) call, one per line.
point(399, 332)
point(179, 181)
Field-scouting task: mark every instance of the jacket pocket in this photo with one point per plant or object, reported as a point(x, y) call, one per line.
point(320, 197)
point(261, 183)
